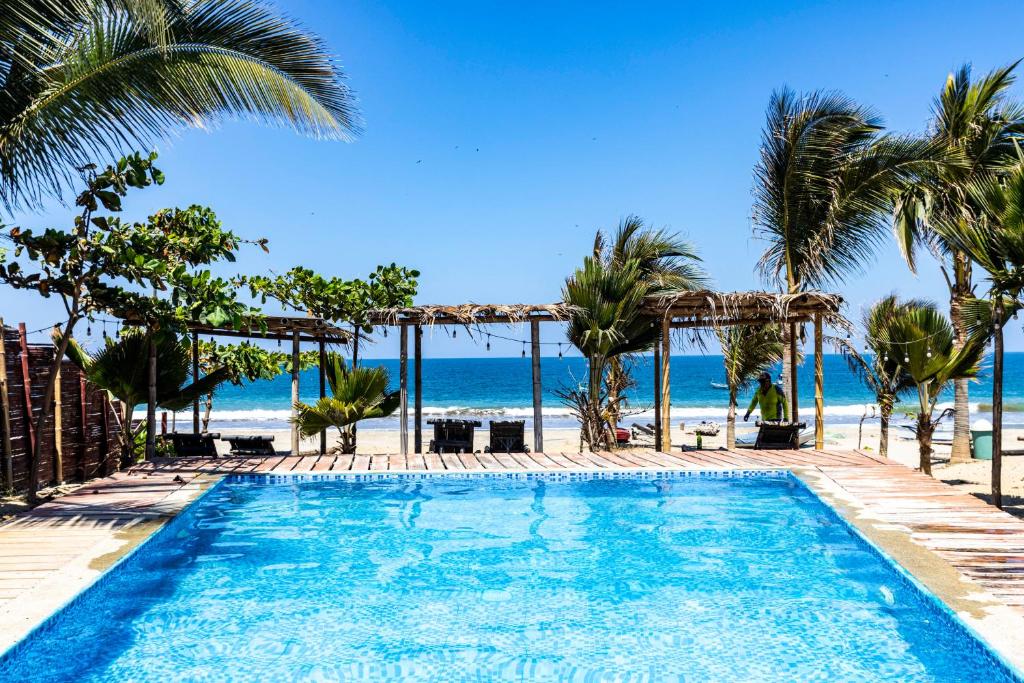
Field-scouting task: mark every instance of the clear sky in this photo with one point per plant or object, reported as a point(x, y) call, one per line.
point(499, 136)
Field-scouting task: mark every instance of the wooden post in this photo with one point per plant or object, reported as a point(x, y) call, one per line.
point(58, 430)
point(151, 402)
point(666, 391)
point(105, 423)
point(323, 392)
point(295, 391)
point(27, 386)
point(819, 386)
point(84, 403)
point(5, 413)
point(163, 423)
point(997, 404)
point(657, 396)
point(195, 378)
point(794, 409)
point(403, 388)
point(417, 382)
point(538, 411)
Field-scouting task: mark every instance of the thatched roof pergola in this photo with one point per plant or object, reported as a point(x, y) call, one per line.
point(707, 308)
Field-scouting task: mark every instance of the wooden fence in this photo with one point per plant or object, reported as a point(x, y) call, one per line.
point(82, 418)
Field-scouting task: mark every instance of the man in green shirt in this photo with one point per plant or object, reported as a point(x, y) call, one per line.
point(772, 401)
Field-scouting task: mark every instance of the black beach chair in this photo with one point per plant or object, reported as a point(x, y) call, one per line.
point(194, 445)
point(779, 435)
point(507, 437)
point(251, 445)
point(452, 436)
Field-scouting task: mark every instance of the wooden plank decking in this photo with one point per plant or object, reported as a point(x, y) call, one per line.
point(50, 553)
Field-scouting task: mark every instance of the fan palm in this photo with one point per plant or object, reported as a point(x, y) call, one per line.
point(995, 241)
point(122, 369)
point(881, 373)
point(823, 191)
point(87, 78)
point(606, 295)
point(976, 121)
point(746, 352)
point(920, 339)
point(359, 393)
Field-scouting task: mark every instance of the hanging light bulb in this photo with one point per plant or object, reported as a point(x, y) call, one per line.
point(88, 330)
point(524, 349)
point(906, 359)
point(929, 354)
point(559, 352)
point(867, 349)
point(453, 332)
point(385, 332)
point(117, 332)
point(278, 342)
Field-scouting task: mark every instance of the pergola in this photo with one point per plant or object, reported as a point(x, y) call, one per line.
point(687, 310)
point(708, 309)
point(465, 315)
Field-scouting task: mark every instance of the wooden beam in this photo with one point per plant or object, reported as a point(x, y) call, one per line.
point(323, 391)
point(27, 390)
point(403, 389)
point(195, 378)
point(794, 410)
point(538, 411)
point(417, 382)
point(151, 402)
point(5, 414)
point(295, 391)
point(666, 391)
point(734, 322)
point(58, 429)
point(657, 396)
point(819, 386)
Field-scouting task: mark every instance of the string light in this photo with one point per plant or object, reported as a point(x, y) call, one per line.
point(488, 342)
point(524, 349)
point(906, 359)
point(559, 352)
point(454, 330)
point(385, 333)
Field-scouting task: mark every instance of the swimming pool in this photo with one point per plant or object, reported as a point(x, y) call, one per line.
point(739, 576)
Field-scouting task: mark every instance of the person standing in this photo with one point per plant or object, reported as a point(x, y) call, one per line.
point(771, 399)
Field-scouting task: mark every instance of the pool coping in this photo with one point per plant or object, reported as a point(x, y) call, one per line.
point(991, 620)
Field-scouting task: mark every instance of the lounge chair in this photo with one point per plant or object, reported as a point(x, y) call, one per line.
point(452, 436)
point(643, 433)
point(187, 445)
point(507, 437)
point(250, 445)
point(779, 435)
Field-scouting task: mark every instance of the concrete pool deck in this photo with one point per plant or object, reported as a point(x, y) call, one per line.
point(968, 553)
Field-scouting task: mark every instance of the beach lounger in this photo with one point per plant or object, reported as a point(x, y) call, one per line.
point(452, 436)
point(250, 445)
point(507, 437)
point(643, 433)
point(191, 445)
point(779, 436)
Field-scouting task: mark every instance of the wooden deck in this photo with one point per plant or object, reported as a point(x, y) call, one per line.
point(50, 553)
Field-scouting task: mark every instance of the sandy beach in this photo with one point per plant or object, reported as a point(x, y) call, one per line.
point(972, 477)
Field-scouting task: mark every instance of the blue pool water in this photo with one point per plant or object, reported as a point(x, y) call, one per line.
point(496, 578)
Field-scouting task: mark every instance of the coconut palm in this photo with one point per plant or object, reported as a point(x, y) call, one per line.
point(880, 372)
point(995, 241)
point(121, 368)
point(747, 352)
point(606, 295)
point(359, 393)
point(976, 121)
point(823, 191)
point(920, 339)
point(84, 79)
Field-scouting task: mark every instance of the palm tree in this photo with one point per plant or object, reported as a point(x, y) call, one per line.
point(883, 374)
point(975, 121)
point(995, 241)
point(122, 369)
point(87, 78)
point(823, 191)
point(359, 393)
point(606, 295)
point(747, 352)
point(920, 339)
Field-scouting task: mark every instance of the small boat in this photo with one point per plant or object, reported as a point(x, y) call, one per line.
point(719, 385)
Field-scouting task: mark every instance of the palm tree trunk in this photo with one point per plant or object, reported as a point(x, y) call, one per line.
point(730, 421)
point(997, 406)
point(924, 442)
point(127, 434)
point(883, 437)
point(151, 402)
point(961, 451)
point(787, 367)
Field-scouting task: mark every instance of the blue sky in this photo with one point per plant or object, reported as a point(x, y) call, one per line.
point(499, 136)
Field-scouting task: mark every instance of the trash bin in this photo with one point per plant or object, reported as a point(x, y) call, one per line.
point(981, 440)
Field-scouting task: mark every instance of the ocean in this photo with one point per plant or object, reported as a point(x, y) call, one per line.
point(500, 388)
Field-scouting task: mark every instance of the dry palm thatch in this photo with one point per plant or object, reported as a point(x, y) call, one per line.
point(468, 314)
point(706, 308)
